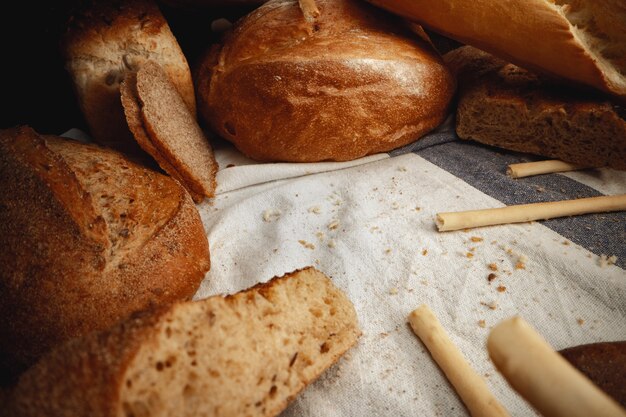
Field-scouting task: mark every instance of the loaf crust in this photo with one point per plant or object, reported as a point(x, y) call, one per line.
point(582, 41)
point(503, 105)
point(104, 42)
point(353, 83)
point(246, 354)
point(603, 363)
point(88, 237)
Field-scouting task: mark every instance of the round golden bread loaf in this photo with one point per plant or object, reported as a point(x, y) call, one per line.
point(352, 82)
point(87, 238)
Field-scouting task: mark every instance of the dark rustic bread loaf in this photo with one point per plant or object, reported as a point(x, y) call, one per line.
point(246, 354)
point(503, 105)
point(164, 128)
point(105, 41)
point(87, 238)
point(604, 364)
point(354, 82)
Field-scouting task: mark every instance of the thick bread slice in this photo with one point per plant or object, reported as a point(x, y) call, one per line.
point(104, 41)
point(85, 243)
point(503, 105)
point(247, 354)
point(173, 133)
point(132, 111)
point(581, 40)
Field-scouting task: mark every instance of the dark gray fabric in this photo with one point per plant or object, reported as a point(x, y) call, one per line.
point(485, 167)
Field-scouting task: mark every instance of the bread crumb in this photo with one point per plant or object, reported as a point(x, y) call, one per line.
point(320, 235)
point(393, 291)
point(501, 288)
point(521, 262)
point(540, 189)
point(491, 277)
point(387, 251)
point(469, 255)
point(315, 210)
point(418, 208)
point(476, 239)
point(491, 304)
point(333, 225)
point(270, 215)
point(424, 252)
point(580, 321)
point(566, 242)
point(492, 266)
point(481, 323)
point(306, 244)
point(605, 261)
point(331, 243)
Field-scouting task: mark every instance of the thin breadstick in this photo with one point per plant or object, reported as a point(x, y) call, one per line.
point(543, 377)
point(529, 212)
point(528, 169)
point(470, 386)
point(309, 10)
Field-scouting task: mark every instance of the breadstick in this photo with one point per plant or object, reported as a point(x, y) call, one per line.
point(529, 212)
point(540, 167)
point(468, 384)
point(543, 377)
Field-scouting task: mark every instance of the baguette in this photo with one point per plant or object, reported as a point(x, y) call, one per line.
point(87, 238)
point(580, 40)
point(246, 354)
point(105, 41)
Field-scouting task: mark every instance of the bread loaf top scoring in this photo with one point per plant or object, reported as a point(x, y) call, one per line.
point(353, 82)
point(84, 242)
point(580, 40)
point(106, 41)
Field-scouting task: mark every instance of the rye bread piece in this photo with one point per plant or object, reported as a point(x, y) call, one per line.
point(87, 238)
point(246, 354)
point(503, 105)
point(106, 39)
point(164, 128)
point(604, 364)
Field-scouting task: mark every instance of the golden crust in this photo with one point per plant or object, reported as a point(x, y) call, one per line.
point(354, 83)
point(85, 244)
point(534, 34)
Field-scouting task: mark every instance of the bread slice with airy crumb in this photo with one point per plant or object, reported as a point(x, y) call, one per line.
point(167, 130)
point(246, 354)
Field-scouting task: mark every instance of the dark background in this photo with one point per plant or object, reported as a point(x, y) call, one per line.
point(37, 89)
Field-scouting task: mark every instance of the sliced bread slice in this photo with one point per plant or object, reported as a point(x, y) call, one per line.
point(173, 131)
point(247, 354)
point(132, 111)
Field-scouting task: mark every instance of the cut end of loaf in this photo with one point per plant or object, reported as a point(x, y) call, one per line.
point(599, 26)
point(246, 354)
point(440, 221)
